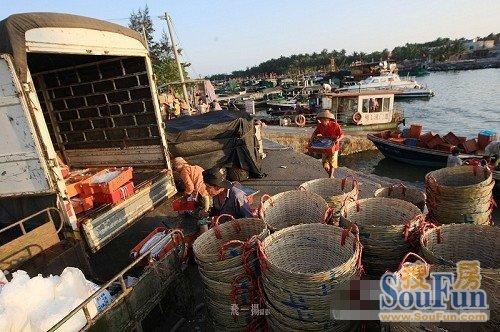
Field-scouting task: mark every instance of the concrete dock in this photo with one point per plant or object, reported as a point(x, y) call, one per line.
point(297, 138)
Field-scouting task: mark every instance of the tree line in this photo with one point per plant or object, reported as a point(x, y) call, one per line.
point(436, 50)
point(165, 67)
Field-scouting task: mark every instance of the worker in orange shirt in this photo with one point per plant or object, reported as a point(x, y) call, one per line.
point(194, 189)
point(328, 127)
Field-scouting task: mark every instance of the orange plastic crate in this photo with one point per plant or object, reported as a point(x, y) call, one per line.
point(90, 186)
point(181, 204)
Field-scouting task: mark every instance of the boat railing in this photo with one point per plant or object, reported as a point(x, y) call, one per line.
point(117, 278)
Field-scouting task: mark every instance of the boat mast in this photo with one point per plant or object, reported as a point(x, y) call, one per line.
point(179, 67)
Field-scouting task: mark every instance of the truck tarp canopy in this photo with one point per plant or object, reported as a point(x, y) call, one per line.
point(14, 27)
point(218, 138)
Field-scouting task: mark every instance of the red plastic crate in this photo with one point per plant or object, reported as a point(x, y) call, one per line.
point(421, 144)
point(415, 131)
point(396, 134)
point(427, 136)
point(435, 141)
point(116, 196)
point(90, 186)
point(484, 140)
point(451, 138)
point(181, 204)
point(445, 147)
point(470, 146)
point(397, 140)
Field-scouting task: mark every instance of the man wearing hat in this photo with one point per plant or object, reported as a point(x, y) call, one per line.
point(328, 127)
point(227, 199)
point(192, 181)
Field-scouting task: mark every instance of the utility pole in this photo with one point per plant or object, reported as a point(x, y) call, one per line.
point(181, 74)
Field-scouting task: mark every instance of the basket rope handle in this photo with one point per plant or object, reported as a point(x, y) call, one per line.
point(407, 256)
point(217, 219)
point(355, 183)
point(419, 217)
point(400, 185)
point(262, 210)
point(236, 286)
point(432, 179)
point(359, 262)
point(222, 250)
point(353, 228)
point(328, 216)
point(425, 232)
point(302, 188)
point(263, 259)
point(349, 199)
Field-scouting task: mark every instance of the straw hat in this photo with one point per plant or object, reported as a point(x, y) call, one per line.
point(178, 161)
point(326, 115)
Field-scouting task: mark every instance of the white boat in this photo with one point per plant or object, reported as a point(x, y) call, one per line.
point(407, 86)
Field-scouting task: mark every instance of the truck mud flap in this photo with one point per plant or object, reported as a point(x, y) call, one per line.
point(102, 229)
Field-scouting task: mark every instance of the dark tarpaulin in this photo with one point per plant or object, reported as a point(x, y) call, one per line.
point(14, 27)
point(218, 138)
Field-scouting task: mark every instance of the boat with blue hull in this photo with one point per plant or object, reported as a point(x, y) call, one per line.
point(409, 154)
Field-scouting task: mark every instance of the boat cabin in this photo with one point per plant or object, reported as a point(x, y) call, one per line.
point(360, 108)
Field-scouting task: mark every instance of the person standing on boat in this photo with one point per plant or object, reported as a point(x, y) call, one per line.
point(328, 127)
point(217, 106)
point(454, 159)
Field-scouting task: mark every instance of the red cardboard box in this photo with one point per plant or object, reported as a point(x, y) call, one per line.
point(81, 204)
point(117, 195)
point(99, 184)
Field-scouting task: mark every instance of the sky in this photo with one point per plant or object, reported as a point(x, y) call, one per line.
point(220, 36)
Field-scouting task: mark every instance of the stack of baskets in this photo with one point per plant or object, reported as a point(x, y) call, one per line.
point(460, 195)
point(400, 191)
point(292, 208)
point(334, 191)
point(304, 267)
point(387, 226)
point(229, 267)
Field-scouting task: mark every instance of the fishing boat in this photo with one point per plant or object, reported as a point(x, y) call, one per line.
point(354, 111)
point(411, 152)
point(407, 86)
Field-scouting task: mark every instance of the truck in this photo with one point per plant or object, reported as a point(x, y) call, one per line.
point(80, 92)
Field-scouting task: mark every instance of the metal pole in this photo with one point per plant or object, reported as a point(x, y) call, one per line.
point(181, 74)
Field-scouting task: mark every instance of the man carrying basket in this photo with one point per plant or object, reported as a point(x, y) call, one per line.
point(328, 127)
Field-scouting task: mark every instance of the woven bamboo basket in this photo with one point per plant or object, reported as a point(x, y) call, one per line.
point(227, 275)
point(225, 288)
point(448, 244)
point(334, 191)
point(400, 191)
point(291, 208)
point(310, 258)
point(207, 246)
point(386, 226)
point(460, 194)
